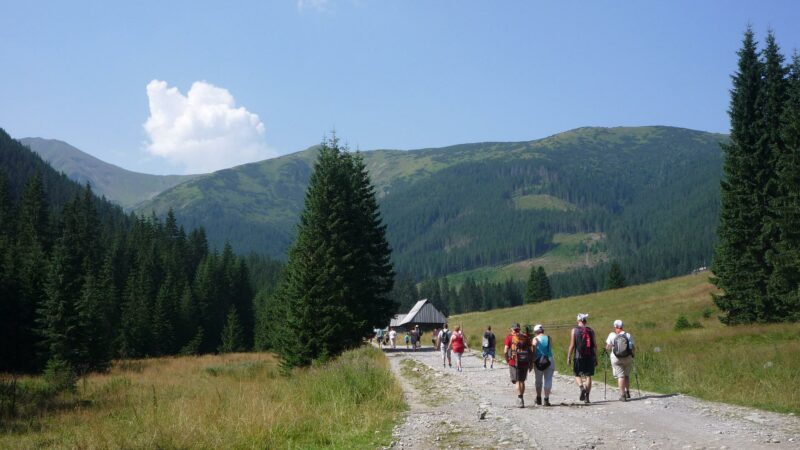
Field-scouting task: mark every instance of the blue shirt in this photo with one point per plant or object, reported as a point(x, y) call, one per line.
point(543, 349)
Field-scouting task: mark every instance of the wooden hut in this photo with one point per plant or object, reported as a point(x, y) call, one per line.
point(423, 314)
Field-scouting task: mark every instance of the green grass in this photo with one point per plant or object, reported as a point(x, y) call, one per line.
point(751, 365)
point(227, 401)
point(572, 251)
point(421, 376)
point(542, 202)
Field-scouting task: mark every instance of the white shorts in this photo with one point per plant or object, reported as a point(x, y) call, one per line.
point(622, 366)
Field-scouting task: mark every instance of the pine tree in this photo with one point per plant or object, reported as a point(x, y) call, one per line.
point(532, 288)
point(615, 278)
point(784, 283)
point(545, 292)
point(232, 339)
point(338, 277)
point(738, 263)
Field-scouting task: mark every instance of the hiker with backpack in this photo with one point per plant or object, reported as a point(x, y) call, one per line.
point(517, 350)
point(543, 364)
point(443, 344)
point(458, 343)
point(583, 347)
point(620, 346)
point(488, 345)
point(414, 337)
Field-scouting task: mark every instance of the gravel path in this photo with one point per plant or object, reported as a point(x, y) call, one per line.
point(446, 407)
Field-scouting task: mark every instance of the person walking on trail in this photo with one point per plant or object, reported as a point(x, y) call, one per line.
point(583, 347)
point(543, 364)
point(488, 345)
point(393, 338)
point(458, 343)
point(620, 346)
point(407, 339)
point(517, 351)
point(443, 344)
point(434, 336)
point(379, 337)
point(414, 337)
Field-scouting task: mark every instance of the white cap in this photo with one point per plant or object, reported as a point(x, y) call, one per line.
point(537, 328)
point(582, 317)
point(617, 323)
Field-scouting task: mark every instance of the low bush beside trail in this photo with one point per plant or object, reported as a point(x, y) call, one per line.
point(227, 401)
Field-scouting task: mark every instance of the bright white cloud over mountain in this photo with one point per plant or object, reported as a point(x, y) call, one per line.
point(202, 131)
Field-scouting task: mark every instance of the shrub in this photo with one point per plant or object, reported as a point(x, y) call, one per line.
point(682, 323)
point(707, 313)
point(60, 375)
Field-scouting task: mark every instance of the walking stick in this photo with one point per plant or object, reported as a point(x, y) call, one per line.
point(605, 371)
point(636, 375)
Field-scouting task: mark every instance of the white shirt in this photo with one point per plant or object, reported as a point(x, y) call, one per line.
point(441, 334)
point(610, 341)
point(392, 334)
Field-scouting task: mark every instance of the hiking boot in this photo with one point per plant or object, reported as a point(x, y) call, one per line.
point(520, 402)
point(586, 400)
point(547, 402)
point(623, 398)
point(583, 394)
point(538, 400)
point(628, 394)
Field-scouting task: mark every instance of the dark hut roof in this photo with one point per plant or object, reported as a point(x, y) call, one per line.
point(423, 312)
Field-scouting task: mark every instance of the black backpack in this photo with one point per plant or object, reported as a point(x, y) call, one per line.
point(584, 339)
point(445, 337)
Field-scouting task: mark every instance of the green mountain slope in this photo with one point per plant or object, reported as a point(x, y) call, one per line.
point(652, 191)
point(121, 186)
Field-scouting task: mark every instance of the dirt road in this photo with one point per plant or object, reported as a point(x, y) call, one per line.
point(475, 409)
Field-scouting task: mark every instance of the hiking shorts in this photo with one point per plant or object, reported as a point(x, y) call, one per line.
point(445, 353)
point(488, 351)
point(518, 374)
point(622, 366)
point(583, 367)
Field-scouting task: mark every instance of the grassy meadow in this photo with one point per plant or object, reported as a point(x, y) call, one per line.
point(224, 401)
point(752, 365)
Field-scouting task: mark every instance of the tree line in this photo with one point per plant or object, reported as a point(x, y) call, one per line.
point(757, 260)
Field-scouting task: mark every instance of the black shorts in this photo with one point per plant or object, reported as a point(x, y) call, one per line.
point(583, 367)
point(518, 374)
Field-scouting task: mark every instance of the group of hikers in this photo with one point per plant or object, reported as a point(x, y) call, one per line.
point(531, 351)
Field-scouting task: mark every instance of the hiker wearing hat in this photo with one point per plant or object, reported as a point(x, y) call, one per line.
point(619, 345)
point(543, 364)
point(583, 347)
point(517, 350)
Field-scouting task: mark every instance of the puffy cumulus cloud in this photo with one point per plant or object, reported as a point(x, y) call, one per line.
point(202, 131)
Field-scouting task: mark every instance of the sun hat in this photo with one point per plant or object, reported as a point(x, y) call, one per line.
point(537, 328)
point(582, 317)
point(617, 323)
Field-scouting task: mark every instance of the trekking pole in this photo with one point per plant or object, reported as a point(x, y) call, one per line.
point(605, 371)
point(636, 375)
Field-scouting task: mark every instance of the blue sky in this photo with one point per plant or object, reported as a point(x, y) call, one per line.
point(175, 87)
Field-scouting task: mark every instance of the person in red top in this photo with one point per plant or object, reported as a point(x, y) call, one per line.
point(518, 372)
point(458, 343)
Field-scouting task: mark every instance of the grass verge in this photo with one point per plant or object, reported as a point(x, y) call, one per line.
point(225, 401)
point(422, 377)
point(751, 365)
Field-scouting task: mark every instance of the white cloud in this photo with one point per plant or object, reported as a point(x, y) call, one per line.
point(202, 131)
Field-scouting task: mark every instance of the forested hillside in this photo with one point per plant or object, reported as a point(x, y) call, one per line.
point(650, 191)
point(80, 282)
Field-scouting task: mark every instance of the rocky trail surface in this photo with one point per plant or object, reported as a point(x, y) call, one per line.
point(476, 408)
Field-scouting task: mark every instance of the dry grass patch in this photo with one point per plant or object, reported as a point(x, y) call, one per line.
point(225, 401)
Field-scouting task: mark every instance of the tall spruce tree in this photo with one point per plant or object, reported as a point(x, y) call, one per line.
point(545, 292)
point(739, 260)
point(338, 276)
point(784, 282)
point(532, 288)
point(615, 278)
